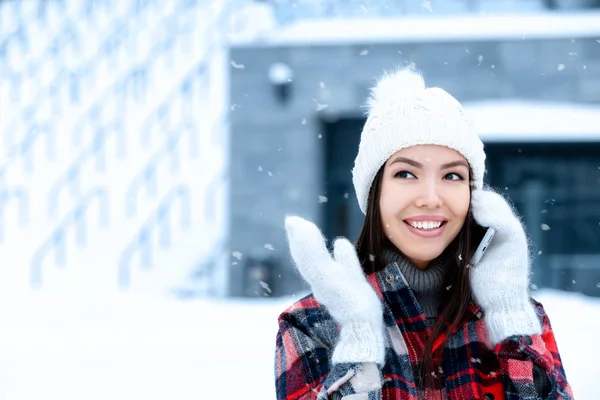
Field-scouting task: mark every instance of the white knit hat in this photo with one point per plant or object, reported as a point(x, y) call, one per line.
point(402, 113)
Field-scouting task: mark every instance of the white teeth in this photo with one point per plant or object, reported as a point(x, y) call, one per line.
point(426, 225)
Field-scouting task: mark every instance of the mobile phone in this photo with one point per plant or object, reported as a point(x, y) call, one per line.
point(483, 236)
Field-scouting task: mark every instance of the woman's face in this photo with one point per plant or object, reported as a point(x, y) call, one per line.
point(424, 200)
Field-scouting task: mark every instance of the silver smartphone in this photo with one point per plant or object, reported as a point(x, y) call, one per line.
point(486, 234)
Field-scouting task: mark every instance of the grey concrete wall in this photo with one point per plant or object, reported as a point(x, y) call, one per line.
point(283, 139)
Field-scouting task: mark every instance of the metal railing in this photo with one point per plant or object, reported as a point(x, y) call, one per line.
point(94, 152)
point(57, 241)
point(147, 177)
point(159, 220)
point(23, 150)
point(19, 193)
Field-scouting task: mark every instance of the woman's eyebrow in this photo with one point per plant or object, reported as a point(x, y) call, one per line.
point(455, 164)
point(407, 161)
point(417, 164)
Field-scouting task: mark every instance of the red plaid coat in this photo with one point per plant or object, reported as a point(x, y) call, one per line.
point(472, 368)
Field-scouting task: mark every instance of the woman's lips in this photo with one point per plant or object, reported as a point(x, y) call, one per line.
point(429, 233)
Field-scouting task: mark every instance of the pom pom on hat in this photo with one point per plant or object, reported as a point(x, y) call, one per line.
point(402, 112)
point(392, 86)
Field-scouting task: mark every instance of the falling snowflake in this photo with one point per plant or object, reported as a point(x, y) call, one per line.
point(363, 53)
point(371, 257)
point(322, 85)
point(346, 195)
point(480, 59)
point(237, 66)
point(322, 199)
point(304, 121)
point(539, 253)
point(321, 107)
point(561, 67)
point(427, 6)
point(265, 286)
point(545, 227)
point(270, 174)
point(260, 168)
point(320, 136)
point(269, 246)
point(237, 255)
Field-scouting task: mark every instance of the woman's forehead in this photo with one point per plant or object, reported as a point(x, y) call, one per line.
point(429, 153)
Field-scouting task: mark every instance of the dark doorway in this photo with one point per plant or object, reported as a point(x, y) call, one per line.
point(556, 189)
point(342, 216)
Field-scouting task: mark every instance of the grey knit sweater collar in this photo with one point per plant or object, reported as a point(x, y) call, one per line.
point(425, 284)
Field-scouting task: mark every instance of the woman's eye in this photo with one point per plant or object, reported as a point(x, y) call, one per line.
point(454, 177)
point(404, 175)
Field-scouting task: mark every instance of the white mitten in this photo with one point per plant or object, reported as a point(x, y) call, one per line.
point(340, 285)
point(500, 281)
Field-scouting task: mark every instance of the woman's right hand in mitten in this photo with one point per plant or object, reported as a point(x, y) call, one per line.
point(339, 284)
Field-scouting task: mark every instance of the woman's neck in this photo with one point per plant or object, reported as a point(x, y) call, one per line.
point(425, 283)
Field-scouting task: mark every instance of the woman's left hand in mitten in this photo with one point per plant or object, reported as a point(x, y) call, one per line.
point(500, 281)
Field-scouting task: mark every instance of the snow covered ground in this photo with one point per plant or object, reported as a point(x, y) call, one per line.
point(132, 347)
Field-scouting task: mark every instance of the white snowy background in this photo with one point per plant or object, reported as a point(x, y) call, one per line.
point(147, 348)
point(78, 82)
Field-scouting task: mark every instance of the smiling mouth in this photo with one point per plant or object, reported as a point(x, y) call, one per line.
point(426, 226)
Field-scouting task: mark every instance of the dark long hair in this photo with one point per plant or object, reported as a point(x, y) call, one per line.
point(455, 299)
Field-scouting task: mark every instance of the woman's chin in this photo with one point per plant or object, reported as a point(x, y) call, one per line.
point(419, 253)
point(422, 259)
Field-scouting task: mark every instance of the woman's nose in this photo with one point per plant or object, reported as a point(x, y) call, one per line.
point(429, 196)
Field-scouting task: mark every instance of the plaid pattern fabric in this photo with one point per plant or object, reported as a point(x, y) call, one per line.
point(471, 369)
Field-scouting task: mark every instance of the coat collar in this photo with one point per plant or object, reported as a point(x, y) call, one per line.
point(397, 296)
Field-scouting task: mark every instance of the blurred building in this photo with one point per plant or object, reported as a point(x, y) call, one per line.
point(156, 146)
point(113, 136)
point(528, 72)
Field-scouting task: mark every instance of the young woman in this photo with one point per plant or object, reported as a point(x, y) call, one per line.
point(404, 314)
